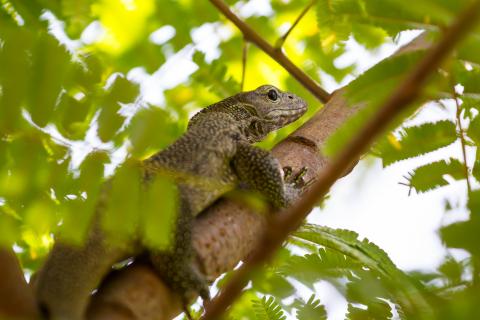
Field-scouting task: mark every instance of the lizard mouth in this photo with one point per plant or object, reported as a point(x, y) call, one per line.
point(284, 116)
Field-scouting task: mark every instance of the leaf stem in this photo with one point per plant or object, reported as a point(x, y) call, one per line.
point(277, 55)
point(461, 134)
point(286, 222)
point(282, 39)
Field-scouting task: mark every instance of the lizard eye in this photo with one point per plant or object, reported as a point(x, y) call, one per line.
point(272, 95)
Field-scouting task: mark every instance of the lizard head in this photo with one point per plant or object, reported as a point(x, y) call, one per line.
point(270, 109)
point(258, 112)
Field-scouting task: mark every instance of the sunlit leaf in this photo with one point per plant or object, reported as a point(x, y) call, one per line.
point(49, 67)
point(160, 209)
point(123, 204)
point(13, 75)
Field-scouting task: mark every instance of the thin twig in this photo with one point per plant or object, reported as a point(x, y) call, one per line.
point(285, 223)
point(462, 137)
point(282, 39)
point(251, 36)
point(244, 62)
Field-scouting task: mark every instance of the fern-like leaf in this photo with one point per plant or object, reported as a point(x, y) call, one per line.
point(431, 176)
point(312, 309)
point(416, 141)
point(268, 309)
point(406, 292)
point(326, 265)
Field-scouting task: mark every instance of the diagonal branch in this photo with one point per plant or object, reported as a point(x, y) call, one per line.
point(277, 55)
point(406, 93)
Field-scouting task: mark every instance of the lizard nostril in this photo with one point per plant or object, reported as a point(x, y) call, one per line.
point(291, 97)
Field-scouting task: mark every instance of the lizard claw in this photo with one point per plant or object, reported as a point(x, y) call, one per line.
point(287, 172)
point(294, 183)
point(296, 180)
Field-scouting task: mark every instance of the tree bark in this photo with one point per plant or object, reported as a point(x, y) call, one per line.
point(16, 297)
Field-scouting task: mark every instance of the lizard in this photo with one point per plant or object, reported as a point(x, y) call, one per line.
point(211, 158)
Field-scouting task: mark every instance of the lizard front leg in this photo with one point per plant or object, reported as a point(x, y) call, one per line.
point(262, 172)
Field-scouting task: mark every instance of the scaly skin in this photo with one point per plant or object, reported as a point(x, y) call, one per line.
point(210, 159)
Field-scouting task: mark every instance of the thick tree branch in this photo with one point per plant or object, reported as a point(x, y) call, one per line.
point(16, 297)
point(276, 54)
point(406, 93)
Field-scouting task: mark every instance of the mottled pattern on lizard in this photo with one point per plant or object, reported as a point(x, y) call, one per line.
point(210, 159)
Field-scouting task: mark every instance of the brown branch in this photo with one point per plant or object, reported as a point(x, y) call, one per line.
point(283, 38)
point(406, 93)
point(277, 55)
point(16, 297)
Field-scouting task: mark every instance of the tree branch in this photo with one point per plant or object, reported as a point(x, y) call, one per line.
point(16, 297)
point(275, 54)
point(406, 93)
point(283, 38)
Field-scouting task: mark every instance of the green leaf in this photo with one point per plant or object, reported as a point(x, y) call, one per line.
point(371, 37)
point(376, 310)
point(14, 71)
point(311, 268)
point(269, 282)
point(312, 309)
point(109, 121)
point(73, 117)
point(473, 130)
point(123, 204)
point(406, 293)
point(214, 76)
point(77, 15)
point(49, 68)
point(469, 48)
point(474, 202)
point(453, 270)
point(145, 134)
point(382, 78)
point(476, 169)
point(78, 211)
point(416, 141)
point(469, 79)
point(431, 176)
point(160, 209)
point(465, 234)
point(123, 90)
point(268, 309)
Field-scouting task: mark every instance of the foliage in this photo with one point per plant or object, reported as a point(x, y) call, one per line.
point(89, 88)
